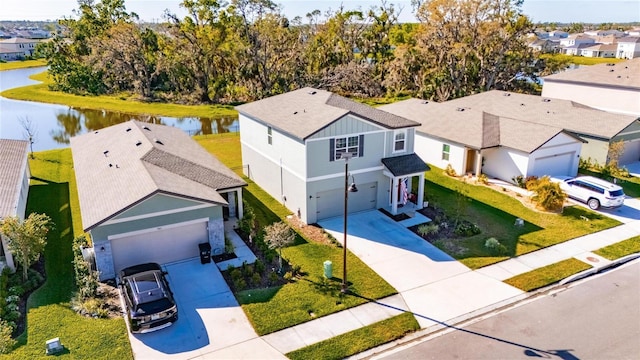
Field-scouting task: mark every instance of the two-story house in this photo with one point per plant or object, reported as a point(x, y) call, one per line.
point(628, 47)
point(293, 146)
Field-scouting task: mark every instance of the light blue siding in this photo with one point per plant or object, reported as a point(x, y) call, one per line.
point(345, 126)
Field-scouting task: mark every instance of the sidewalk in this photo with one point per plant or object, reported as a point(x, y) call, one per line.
point(437, 300)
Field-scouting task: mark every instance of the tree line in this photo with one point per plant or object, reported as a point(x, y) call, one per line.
point(244, 50)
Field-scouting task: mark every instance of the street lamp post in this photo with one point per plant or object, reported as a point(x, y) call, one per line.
point(347, 189)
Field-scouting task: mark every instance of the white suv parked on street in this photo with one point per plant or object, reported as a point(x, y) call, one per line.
point(593, 191)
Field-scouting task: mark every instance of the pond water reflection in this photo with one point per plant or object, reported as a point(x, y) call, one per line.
point(54, 124)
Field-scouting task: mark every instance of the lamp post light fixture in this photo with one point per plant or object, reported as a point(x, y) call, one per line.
point(347, 189)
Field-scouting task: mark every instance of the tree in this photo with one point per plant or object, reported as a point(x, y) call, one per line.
point(277, 236)
point(547, 193)
point(30, 132)
point(26, 238)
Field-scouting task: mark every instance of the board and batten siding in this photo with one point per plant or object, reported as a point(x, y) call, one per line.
point(348, 124)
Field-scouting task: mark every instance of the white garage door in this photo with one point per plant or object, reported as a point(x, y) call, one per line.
point(331, 203)
point(556, 165)
point(161, 245)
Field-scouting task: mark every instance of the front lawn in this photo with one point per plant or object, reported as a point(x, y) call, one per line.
point(495, 212)
point(13, 65)
point(49, 315)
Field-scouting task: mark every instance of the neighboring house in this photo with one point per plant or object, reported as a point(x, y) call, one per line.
point(597, 128)
point(628, 47)
point(600, 50)
point(150, 193)
point(292, 146)
point(27, 47)
point(609, 87)
point(609, 32)
point(8, 53)
point(575, 50)
point(559, 34)
point(475, 141)
point(14, 187)
point(576, 39)
point(544, 45)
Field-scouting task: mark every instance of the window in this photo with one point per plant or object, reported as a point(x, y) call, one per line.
point(399, 140)
point(351, 144)
point(269, 136)
point(446, 150)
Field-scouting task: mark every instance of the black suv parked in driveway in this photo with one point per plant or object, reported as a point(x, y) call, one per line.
point(148, 298)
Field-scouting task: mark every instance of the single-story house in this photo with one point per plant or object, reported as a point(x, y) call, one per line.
point(609, 87)
point(474, 141)
point(597, 128)
point(293, 146)
point(14, 187)
point(150, 193)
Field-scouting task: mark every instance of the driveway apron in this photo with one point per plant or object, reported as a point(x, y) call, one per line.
point(209, 317)
point(435, 287)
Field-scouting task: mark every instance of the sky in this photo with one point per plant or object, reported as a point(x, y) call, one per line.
point(564, 11)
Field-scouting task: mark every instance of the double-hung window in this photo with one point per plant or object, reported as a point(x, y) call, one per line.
point(399, 140)
point(348, 144)
point(446, 150)
point(269, 136)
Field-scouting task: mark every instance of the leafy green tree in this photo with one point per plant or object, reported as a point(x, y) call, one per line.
point(277, 236)
point(26, 238)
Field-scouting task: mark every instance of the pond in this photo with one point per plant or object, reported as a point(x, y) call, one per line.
point(53, 125)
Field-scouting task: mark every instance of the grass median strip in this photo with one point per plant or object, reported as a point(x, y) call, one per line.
point(359, 340)
point(547, 275)
point(620, 249)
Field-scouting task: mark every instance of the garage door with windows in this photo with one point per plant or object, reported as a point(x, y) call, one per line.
point(162, 244)
point(331, 203)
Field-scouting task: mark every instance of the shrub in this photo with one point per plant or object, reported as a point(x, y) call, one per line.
point(296, 270)
point(228, 245)
point(288, 276)
point(235, 274)
point(230, 268)
point(450, 171)
point(273, 277)
point(256, 279)
point(6, 341)
point(16, 290)
point(548, 194)
point(427, 229)
point(248, 271)
point(465, 228)
point(258, 266)
point(240, 284)
point(495, 247)
point(483, 179)
point(12, 315)
point(86, 279)
point(530, 182)
point(519, 181)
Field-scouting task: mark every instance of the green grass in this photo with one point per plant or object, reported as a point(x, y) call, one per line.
point(620, 249)
point(581, 60)
point(49, 315)
point(358, 340)
point(495, 213)
point(13, 65)
point(547, 275)
point(119, 103)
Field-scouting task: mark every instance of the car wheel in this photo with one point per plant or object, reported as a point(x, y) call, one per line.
point(594, 204)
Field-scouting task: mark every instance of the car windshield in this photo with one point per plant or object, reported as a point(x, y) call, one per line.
point(154, 307)
point(617, 193)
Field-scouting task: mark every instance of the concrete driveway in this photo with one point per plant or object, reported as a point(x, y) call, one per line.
point(627, 213)
point(210, 323)
point(434, 286)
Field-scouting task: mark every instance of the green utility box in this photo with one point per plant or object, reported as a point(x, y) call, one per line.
point(328, 269)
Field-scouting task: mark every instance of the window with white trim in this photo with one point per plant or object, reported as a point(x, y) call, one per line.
point(399, 140)
point(446, 150)
point(269, 136)
point(347, 144)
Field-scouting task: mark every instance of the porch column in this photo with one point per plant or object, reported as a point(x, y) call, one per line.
point(394, 196)
point(240, 207)
point(232, 203)
point(420, 201)
point(478, 166)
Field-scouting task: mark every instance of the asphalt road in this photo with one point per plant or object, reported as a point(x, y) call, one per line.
point(598, 318)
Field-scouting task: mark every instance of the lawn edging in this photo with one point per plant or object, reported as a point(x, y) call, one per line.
point(548, 275)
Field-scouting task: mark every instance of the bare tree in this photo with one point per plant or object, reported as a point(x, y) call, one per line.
point(277, 236)
point(30, 132)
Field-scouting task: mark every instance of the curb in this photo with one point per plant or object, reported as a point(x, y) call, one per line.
point(601, 268)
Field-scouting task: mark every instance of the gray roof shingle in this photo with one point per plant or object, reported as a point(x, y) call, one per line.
point(405, 164)
point(624, 74)
point(119, 166)
point(303, 112)
point(13, 161)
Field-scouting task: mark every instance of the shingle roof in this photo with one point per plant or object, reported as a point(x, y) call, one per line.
point(122, 165)
point(405, 164)
point(13, 162)
point(629, 39)
point(624, 74)
point(303, 112)
point(473, 127)
point(565, 114)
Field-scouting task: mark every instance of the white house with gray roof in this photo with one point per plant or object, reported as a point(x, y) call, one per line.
point(292, 146)
point(609, 87)
point(14, 187)
point(474, 141)
point(150, 193)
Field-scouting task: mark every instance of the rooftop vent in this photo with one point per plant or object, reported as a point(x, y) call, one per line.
point(295, 112)
point(106, 152)
point(546, 100)
point(506, 94)
point(146, 128)
point(619, 76)
point(460, 109)
point(128, 129)
point(139, 143)
point(611, 70)
point(95, 132)
point(425, 102)
point(313, 92)
point(521, 104)
point(157, 141)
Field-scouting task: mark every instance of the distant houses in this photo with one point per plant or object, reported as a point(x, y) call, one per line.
point(596, 43)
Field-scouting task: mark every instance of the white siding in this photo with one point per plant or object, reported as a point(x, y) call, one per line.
point(504, 163)
point(558, 156)
point(430, 150)
point(624, 101)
